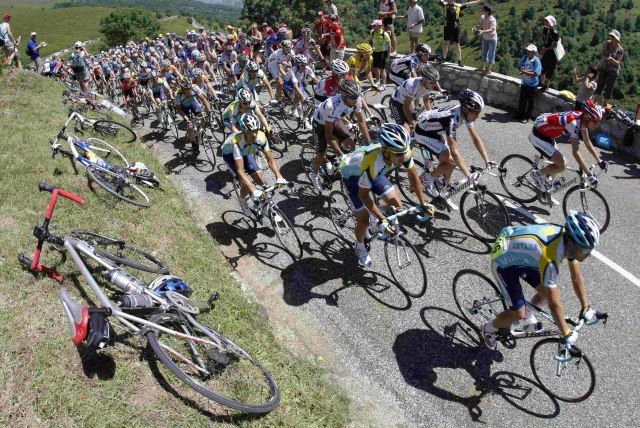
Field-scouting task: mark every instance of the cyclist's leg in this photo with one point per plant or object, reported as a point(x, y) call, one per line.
point(252, 168)
point(359, 210)
point(387, 192)
point(508, 281)
point(321, 147)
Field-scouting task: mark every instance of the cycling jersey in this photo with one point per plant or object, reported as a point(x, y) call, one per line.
point(297, 76)
point(272, 43)
point(189, 103)
point(405, 64)
point(327, 87)
point(228, 58)
point(553, 125)
point(356, 63)
point(158, 90)
point(436, 122)
point(532, 253)
point(236, 146)
point(303, 47)
point(232, 113)
point(411, 88)
point(252, 84)
point(128, 84)
point(333, 109)
point(275, 59)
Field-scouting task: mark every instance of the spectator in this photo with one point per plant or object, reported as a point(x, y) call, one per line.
point(387, 14)
point(322, 27)
point(79, 66)
point(380, 41)
point(611, 55)
point(266, 31)
point(336, 41)
point(415, 22)
point(530, 68)
point(549, 60)
point(331, 8)
point(10, 46)
point(33, 50)
point(487, 30)
point(451, 21)
point(256, 42)
point(586, 85)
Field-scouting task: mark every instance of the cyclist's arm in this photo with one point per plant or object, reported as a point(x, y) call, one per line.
point(577, 279)
point(589, 145)
point(575, 149)
point(263, 119)
point(416, 184)
point(243, 177)
point(365, 197)
point(457, 158)
point(408, 110)
point(205, 101)
point(428, 105)
point(328, 135)
point(267, 85)
point(481, 147)
point(272, 164)
point(169, 90)
point(551, 295)
point(363, 126)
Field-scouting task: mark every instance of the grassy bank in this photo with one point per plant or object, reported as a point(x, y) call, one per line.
point(43, 378)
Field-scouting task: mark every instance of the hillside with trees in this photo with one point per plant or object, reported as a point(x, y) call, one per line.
point(583, 26)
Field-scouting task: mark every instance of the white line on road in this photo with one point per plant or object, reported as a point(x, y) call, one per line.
point(597, 254)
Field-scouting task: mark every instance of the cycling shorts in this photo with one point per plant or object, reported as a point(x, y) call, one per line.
point(319, 138)
point(250, 164)
point(381, 186)
point(128, 93)
point(545, 145)
point(161, 96)
point(397, 111)
point(508, 280)
point(399, 78)
point(435, 142)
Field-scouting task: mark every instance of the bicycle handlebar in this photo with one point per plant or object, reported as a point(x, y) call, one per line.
point(55, 191)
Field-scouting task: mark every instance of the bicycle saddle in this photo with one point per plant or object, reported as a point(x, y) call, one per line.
point(78, 317)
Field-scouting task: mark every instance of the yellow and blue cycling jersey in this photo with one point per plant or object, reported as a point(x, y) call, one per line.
point(189, 103)
point(532, 253)
point(232, 113)
point(236, 146)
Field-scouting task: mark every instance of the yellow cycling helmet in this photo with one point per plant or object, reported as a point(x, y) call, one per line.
point(364, 48)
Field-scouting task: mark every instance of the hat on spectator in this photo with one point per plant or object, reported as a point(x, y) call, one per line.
point(264, 24)
point(320, 13)
point(532, 48)
point(33, 33)
point(333, 17)
point(616, 34)
point(78, 45)
point(551, 20)
point(7, 17)
point(376, 23)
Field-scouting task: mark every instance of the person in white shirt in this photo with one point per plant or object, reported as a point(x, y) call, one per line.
point(415, 22)
point(331, 8)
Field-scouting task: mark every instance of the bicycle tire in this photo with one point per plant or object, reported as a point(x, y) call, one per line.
point(470, 300)
point(232, 354)
point(402, 181)
point(113, 128)
point(341, 213)
point(210, 152)
point(293, 247)
point(598, 215)
point(413, 277)
point(538, 363)
point(484, 212)
point(98, 242)
point(116, 188)
point(521, 181)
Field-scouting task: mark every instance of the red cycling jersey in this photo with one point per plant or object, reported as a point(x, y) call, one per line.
point(553, 125)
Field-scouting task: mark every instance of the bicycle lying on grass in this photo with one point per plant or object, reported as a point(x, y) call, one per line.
point(106, 166)
point(160, 312)
point(105, 127)
point(562, 371)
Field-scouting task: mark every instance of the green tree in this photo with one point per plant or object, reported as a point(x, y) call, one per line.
point(123, 25)
point(513, 11)
point(638, 23)
point(628, 26)
point(629, 5)
point(528, 13)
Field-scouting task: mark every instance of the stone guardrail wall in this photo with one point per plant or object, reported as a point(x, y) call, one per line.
point(503, 91)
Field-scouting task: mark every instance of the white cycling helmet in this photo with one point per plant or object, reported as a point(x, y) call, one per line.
point(583, 229)
point(339, 67)
point(249, 122)
point(394, 137)
point(244, 95)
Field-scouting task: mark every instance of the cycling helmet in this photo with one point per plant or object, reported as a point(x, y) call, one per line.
point(282, 30)
point(145, 76)
point(154, 74)
point(429, 73)
point(199, 57)
point(185, 83)
point(592, 110)
point(471, 100)
point(348, 88)
point(165, 283)
point(126, 75)
point(166, 63)
point(423, 49)
point(287, 44)
point(394, 137)
point(249, 122)
point(364, 48)
point(253, 66)
point(244, 95)
point(301, 59)
point(228, 48)
point(339, 67)
point(197, 72)
point(306, 31)
point(144, 64)
point(583, 229)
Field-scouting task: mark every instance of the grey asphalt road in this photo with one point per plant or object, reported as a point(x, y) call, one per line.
point(420, 351)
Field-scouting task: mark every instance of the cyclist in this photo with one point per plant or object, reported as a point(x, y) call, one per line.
point(202, 81)
point(575, 124)
point(295, 80)
point(254, 79)
point(404, 67)
point(405, 96)
point(160, 89)
point(437, 131)
point(98, 77)
point(534, 253)
point(326, 118)
point(277, 62)
point(328, 86)
point(360, 63)
point(228, 58)
point(365, 171)
point(307, 46)
point(273, 42)
point(170, 73)
point(128, 86)
point(189, 101)
point(244, 103)
point(239, 151)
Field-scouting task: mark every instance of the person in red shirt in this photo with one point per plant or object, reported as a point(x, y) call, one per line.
point(337, 43)
point(322, 33)
point(266, 31)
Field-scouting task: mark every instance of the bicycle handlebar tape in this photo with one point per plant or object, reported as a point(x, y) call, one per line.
point(44, 186)
point(24, 260)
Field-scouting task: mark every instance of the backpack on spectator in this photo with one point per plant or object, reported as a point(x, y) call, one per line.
point(77, 62)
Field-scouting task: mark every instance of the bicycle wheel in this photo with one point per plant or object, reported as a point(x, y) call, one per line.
point(402, 181)
point(120, 252)
point(477, 297)
point(405, 265)
point(210, 151)
point(484, 214)
point(516, 181)
point(115, 129)
point(286, 232)
point(341, 213)
point(118, 185)
point(589, 200)
point(572, 380)
point(213, 365)
point(107, 152)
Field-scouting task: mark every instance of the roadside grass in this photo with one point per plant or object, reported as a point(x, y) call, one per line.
point(178, 25)
point(43, 377)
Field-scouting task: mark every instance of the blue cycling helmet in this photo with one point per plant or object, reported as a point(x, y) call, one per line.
point(165, 283)
point(394, 137)
point(583, 229)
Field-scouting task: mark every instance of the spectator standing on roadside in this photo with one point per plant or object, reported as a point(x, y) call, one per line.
point(415, 23)
point(33, 50)
point(331, 8)
point(322, 27)
point(550, 38)
point(387, 14)
point(10, 45)
point(380, 41)
point(79, 66)
point(586, 85)
point(266, 31)
point(530, 67)
point(337, 43)
point(611, 56)
point(451, 25)
point(487, 30)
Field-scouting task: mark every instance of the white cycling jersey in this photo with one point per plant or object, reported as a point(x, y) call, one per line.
point(333, 109)
point(440, 121)
point(278, 57)
point(297, 75)
point(412, 88)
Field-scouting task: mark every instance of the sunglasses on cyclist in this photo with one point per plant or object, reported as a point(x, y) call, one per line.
point(354, 97)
